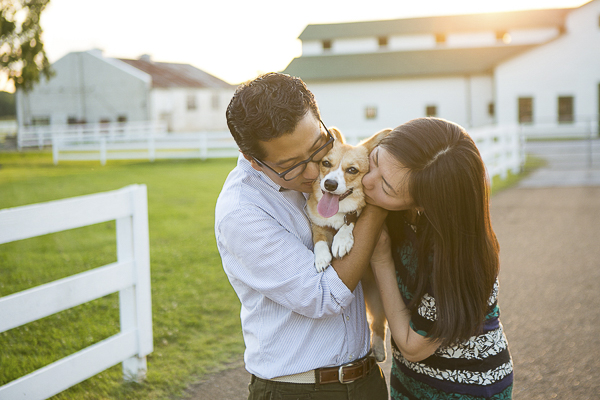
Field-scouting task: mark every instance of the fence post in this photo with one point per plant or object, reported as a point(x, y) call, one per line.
point(143, 299)
point(203, 146)
point(103, 151)
point(135, 302)
point(590, 143)
point(55, 144)
point(515, 144)
point(151, 147)
point(503, 147)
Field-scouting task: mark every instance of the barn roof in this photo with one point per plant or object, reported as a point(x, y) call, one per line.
point(527, 19)
point(426, 62)
point(170, 75)
point(450, 61)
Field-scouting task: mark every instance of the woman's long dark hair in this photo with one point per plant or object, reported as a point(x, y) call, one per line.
point(447, 178)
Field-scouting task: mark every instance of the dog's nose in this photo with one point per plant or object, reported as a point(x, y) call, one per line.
point(330, 185)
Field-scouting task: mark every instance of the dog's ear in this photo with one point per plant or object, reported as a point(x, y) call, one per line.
point(373, 141)
point(337, 135)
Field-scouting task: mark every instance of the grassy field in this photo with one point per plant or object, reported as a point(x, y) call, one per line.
point(195, 311)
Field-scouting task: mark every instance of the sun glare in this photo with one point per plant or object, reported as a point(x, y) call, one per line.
point(479, 6)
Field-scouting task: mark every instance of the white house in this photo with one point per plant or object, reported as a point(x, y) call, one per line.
point(91, 88)
point(472, 69)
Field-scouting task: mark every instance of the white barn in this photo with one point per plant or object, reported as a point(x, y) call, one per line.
point(480, 69)
point(91, 88)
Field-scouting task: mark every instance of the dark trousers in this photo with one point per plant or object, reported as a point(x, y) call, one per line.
point(371, 387)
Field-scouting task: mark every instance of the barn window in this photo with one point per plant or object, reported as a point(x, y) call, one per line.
point(431, 111)
point(326, 44)
point(565, 109)
point(440, 38)
point(37, 121)
point(383, 42)
point(370, 112)
point(191, 102)
point(491, 109)
point(525, 110)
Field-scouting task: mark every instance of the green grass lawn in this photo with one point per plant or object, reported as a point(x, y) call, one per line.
point(195, 310)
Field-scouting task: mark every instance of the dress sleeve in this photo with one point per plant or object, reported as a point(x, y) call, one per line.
point(424, 316)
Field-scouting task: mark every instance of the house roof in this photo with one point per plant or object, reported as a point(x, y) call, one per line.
point(170, 75)
point(528, 19)
point(393, 64)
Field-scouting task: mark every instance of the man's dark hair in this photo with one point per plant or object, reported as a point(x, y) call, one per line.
point(266, 108)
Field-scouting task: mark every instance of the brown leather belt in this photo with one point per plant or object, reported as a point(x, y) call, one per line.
point(346, 373)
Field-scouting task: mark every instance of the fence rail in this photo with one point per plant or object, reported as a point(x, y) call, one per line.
point(40, 136)
point(8, 127)
point(579, 127)
point(501, 146)
point(130, 276)
point(151, 147)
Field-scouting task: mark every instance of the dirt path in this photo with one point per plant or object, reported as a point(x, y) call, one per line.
point(549, 296)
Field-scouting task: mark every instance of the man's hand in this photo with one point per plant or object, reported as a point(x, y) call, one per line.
point(382, 254)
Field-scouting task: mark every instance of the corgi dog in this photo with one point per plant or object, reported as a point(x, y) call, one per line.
point(333, 207)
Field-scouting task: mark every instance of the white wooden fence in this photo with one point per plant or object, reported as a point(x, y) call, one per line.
point(151, 146)
point(581, 127)
point(41, 135)
point(501, 147)
point(130, 276)
point(8, 127)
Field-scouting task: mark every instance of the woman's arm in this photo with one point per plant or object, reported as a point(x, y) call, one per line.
point(353, 265)
point(413, 346)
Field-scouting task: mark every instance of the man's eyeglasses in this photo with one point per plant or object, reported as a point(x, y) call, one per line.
point(296, 170)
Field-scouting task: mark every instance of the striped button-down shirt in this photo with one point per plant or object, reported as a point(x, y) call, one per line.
point(293, 318)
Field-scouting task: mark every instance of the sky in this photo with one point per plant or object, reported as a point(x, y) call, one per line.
point(235, 40)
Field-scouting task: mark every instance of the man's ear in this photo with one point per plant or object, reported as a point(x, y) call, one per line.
point(253, 163)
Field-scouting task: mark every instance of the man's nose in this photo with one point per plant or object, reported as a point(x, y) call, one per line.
point(311, 171)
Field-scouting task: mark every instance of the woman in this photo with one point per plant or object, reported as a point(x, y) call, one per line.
point(437, 268)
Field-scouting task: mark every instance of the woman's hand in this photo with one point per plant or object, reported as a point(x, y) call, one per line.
point(413, 346)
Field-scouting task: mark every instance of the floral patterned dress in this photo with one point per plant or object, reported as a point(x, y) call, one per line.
point(480, 368)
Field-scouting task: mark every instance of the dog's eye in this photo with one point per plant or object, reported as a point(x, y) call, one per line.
point(352, 171)
point(326, 164)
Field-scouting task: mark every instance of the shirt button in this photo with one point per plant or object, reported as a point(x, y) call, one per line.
point(347, 318)
point(351, 356)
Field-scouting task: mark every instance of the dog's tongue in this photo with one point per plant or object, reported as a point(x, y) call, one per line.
point(328, 205)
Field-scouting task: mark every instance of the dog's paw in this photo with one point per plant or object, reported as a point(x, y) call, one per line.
point(378, 348)
point(343, 241)
point(322, 256)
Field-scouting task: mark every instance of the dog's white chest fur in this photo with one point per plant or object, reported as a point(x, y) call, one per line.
point(343, 240)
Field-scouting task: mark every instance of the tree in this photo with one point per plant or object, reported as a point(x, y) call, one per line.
point(7, 105)
point(22, 54)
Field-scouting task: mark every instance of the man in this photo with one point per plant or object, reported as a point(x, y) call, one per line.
point(305, 332)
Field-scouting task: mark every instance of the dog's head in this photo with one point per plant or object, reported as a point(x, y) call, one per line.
point(339, 187)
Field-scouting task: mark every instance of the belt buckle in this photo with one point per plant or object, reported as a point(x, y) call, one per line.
point(341, 374)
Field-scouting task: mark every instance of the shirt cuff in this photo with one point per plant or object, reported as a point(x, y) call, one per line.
point(338, 289)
